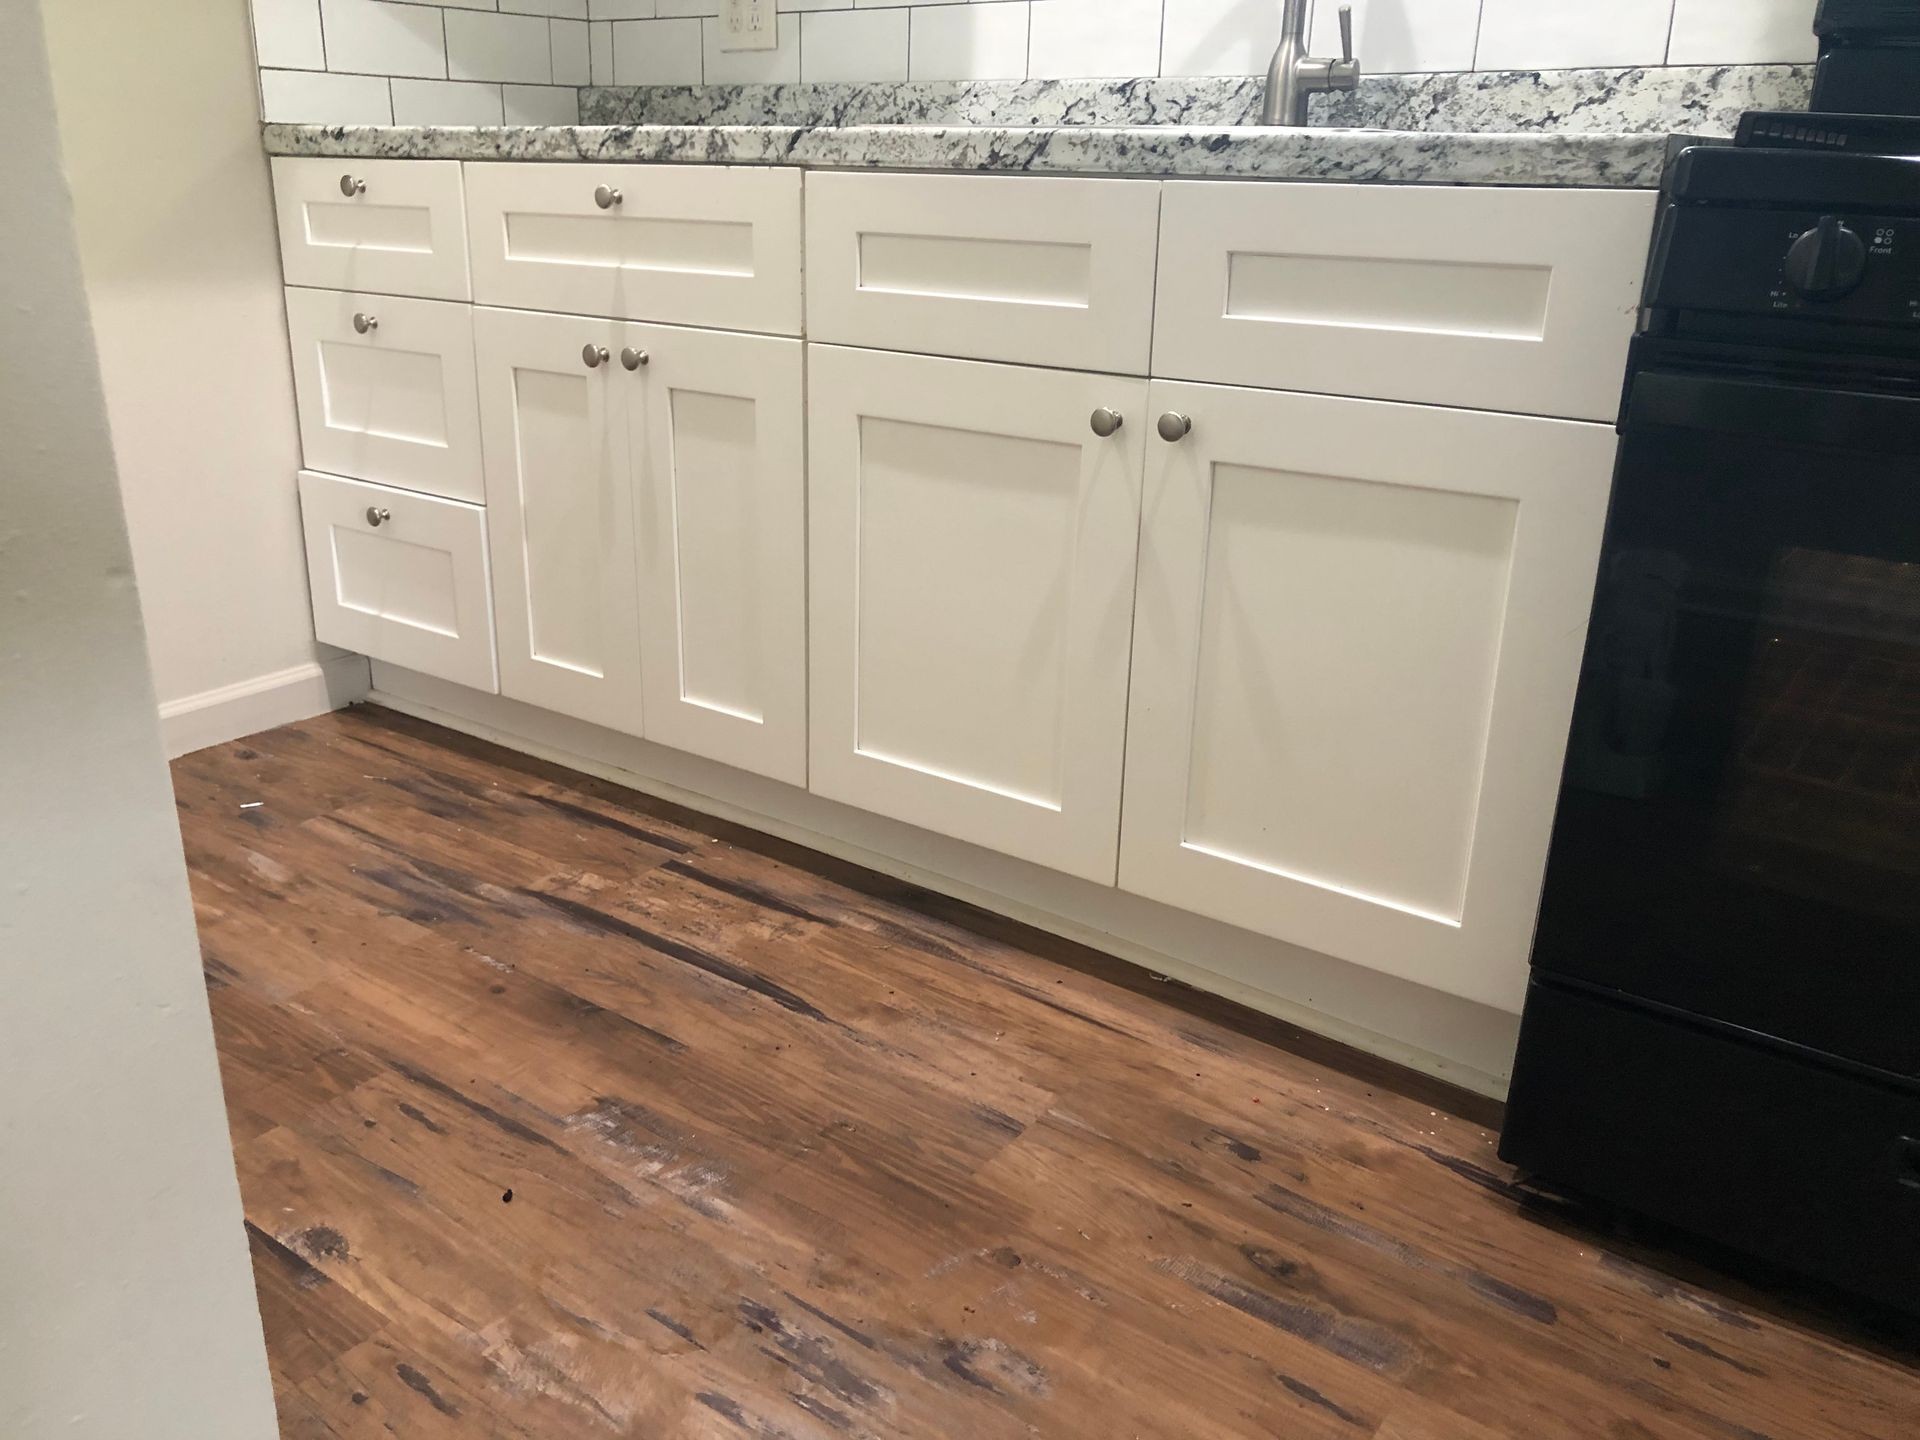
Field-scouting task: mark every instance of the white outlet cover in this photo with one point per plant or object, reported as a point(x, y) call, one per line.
point(749, 25)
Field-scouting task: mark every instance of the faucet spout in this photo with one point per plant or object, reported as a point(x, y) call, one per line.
point(1295, 76)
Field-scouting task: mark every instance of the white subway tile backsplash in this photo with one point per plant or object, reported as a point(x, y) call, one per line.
point(752, 67)
point(568, 43)
point(445, 102)
point(481, 46)
point(656, 52)
point(541, 104)
point(1074, 39)
point(1555, 35)
point(853, 45)
point(1742, 32)
point(371, 37)
point(307, 97)
point(969, 42)
point(539, 45)
point(287, 34)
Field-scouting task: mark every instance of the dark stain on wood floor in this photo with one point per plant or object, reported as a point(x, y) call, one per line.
point(797, 1151)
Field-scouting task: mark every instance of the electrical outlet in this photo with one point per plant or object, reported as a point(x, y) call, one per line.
point(749, 25)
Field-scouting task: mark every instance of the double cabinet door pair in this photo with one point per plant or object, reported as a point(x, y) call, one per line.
point(1296, 662)
point(646, 516)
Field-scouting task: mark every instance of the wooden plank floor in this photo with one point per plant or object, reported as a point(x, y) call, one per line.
point(561, 1112)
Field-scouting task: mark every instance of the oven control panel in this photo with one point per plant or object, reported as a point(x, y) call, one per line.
point(1832, 265)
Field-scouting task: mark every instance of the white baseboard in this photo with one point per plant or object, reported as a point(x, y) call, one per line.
point(1453, 1039)
point(214, 717)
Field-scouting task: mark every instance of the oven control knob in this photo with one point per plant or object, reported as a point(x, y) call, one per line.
point(1827, 261)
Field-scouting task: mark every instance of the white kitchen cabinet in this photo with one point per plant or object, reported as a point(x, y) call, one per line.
point(649, 530)
point(385, 390)
point(1490, 298)
point(566, 589)
point(716, 440)
point(391, 227)
point(1038, 271)
point(972, 562)
point(708, 245)
point(400, 577)
point(1357, 639)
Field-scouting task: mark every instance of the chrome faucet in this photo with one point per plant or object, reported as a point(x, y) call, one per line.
point(1295, 75)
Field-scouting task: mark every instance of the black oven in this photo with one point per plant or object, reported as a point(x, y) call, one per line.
point(1723, 1028)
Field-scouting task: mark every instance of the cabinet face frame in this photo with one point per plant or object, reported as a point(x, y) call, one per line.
point(1511, 300)
point(1024, 269)
point(400, 577)
point(341, 429)
point(1034, 416)
point(717, 246)
point(716, 440)
point(403, 233)
point(1555, 476)
point(558, 509)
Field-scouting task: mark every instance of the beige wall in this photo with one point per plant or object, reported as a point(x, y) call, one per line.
point(158, 122)
point(126, 1301)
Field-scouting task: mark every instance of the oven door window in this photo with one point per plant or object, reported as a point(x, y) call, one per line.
point(1739, 830)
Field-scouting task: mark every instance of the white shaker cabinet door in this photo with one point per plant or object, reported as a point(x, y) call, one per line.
point(972, 547)
point(1355, 650)
point(386, 390)
point(717, 440)
point(400, 577)
point(560, 512)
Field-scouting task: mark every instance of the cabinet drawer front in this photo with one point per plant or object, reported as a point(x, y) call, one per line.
point(1355, 650)
point(972, 547)
point(717, 435)
point(386, 391)
point(400, 577)
point(684, 244)
point(560, 514)
point(1036, 271)
point(1513, 300)
point(394, 227)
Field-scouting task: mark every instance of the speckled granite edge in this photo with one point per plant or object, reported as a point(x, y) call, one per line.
point(1605, 161)
point(1699, 100)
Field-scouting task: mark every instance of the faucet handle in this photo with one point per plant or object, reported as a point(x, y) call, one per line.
point(1346, 33)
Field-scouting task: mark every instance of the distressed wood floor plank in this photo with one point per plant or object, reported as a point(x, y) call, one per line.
point(795, 1150)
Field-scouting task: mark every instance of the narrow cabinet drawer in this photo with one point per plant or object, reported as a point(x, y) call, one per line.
point(396, 227)
point(702, 245)
point(386, 390)
point(1491, 299)
point(1018, 268)
point(400, 577)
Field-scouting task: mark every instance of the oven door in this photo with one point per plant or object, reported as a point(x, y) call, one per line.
point(1738, 835)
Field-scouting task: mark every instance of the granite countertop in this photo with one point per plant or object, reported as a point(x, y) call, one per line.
point(1601, 159)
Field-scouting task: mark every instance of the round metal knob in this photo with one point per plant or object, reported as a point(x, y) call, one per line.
point(1106, 422)
point(363, 322)
point(350, 186)
point(633, 359)
point(594, 355)
point(1174, 427)
point(606, 197)
point(378, 515)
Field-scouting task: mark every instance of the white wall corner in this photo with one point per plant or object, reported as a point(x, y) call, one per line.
point(300, 692)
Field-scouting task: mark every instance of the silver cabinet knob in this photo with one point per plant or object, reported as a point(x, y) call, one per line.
point(594, 355)
point(363, 322)
point(1106, 422)
point(606, 197)
point(378, 515)
point(351, 186)
point(633, 359)
point(1174, 427)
